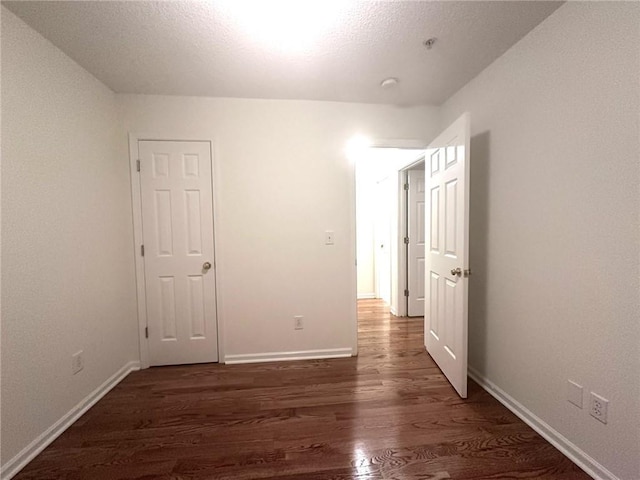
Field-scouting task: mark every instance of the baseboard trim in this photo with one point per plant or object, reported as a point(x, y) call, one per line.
point(17, 463)
point(555, 438)
point(283, 356)
point(366, 296)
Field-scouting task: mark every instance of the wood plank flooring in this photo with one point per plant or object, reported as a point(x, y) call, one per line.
point(387, 414)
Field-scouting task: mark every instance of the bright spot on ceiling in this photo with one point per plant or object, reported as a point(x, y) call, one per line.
point(284, 26)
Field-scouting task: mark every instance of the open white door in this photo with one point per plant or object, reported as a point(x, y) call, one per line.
point(415, 251)
point(177, 220)
point(447, 257)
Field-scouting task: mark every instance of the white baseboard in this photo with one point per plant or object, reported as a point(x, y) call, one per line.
point(282, 356)
point(17, 463)
point(366, 296)
point(555, 438)
point(394, 311)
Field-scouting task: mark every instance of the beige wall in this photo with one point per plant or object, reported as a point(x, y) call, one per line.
point(554, 223)
point(67, 263)
point(282, 180)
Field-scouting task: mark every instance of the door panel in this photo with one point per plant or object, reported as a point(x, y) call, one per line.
point(447, 262)
point(417, 234)
point(177, 222)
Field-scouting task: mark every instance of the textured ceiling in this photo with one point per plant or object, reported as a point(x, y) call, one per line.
point(223, 48)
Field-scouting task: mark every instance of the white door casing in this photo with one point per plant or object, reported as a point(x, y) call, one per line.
point(177, 227)
point(447, 256)
point(415, 249)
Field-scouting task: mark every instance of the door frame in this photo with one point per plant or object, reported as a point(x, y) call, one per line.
point(418, 144)
point(136, 207)
point(403, 230)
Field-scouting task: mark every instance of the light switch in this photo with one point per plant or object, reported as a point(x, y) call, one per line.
point(328, 237)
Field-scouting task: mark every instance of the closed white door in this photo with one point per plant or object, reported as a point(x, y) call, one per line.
point(177, 222)
point(447, 259)
point(415, 251)
point(383, 241)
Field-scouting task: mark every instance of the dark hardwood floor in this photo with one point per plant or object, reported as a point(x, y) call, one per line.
point(387, 414)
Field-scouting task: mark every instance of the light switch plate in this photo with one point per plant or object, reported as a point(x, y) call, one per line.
point(328, 237)
point(574, 393)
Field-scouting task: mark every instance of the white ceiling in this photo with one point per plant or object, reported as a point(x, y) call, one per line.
point(222, 48)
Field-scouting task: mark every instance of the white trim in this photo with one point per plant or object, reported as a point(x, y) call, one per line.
point(555, 438)
point(366, 296)
point(393, 311)
point(136, 206)
point(408, 144)
point(17, 463)
point(401, 253)
point(283, 356)
point(353, 260)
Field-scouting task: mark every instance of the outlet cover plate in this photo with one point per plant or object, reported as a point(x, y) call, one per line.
point(598, 407)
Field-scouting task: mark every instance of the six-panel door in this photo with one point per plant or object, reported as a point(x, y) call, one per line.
point(447, 258)
point(177, 222)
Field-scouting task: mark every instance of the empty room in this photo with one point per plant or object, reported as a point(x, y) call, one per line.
point(197, 284)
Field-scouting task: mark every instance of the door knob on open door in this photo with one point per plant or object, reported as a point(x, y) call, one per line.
point(456, 271)
point(207, 266)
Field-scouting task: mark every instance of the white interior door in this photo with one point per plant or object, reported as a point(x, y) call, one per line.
point(383, 241)
point(177, 223)
point(447, 259)
point(415, 250)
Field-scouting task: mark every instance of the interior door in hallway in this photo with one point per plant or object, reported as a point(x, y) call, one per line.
point(415, 248)
point(177, 223)
point(447, 258)
point(383, 241)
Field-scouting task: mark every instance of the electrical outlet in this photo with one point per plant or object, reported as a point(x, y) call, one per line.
point(574, 393)
point(598, 407)
point(297, 322)
point(77, 362)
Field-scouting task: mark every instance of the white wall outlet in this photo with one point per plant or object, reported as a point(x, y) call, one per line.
point(77, 362)
point(598, 407)
point(329, 237)
point(574, 393)
point(297, 322)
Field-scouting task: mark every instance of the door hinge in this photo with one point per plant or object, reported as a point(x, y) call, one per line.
point(138, 165)
point(406, 292)
point(146, 332)
point(406, 186)
point(406, 240)
point(142, 250)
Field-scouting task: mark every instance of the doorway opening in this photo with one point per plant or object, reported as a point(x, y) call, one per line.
point(383, 221)
point(442, 230)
